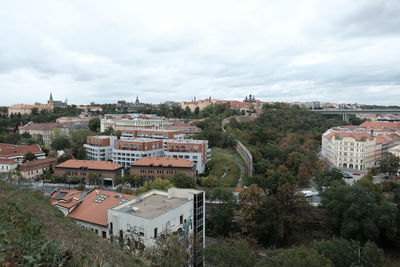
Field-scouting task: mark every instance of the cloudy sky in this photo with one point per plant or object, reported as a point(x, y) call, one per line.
point(279, 50)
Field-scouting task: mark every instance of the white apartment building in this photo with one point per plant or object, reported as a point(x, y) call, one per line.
point(193, 150)
point(158, 212)
point(128, 151)
point(100, 147)
point(348, 149)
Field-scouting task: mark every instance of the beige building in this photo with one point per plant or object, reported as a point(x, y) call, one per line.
point(35, 168)
point(128, 122)
point(348, 149)
point(7, 165)
point(27, 109)
point(43, 132)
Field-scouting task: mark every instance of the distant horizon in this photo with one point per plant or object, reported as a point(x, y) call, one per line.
point(281, 51)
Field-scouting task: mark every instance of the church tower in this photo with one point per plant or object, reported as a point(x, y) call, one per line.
point(50, 102)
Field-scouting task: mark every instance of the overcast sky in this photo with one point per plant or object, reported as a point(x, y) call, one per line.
point(104, 51)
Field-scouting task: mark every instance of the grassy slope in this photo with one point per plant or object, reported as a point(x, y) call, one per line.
point(221, 158)
point(85, 247)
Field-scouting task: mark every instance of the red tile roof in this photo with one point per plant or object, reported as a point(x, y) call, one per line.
point(90, 164)
point(8, 161)
point(22, 106)
point(38, 163)
point(382, 124)
point(70, 199)
point(164, 162)
point(11, 150)
point(96, 212)
point(39, 126)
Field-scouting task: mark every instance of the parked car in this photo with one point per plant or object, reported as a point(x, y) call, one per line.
point(356, 173)
point(346, 175)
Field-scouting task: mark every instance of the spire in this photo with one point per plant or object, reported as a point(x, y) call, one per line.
point(51, 97)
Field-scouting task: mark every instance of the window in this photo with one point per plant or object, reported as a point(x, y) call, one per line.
point(155, 232)
point(181, 219)
point(96, 231)
point(104, 234)
point(121, 234)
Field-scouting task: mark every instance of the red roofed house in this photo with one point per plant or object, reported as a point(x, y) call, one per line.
point(105, 170)
point(35, 168)
point(66, 200)
point(43, 131)
point(153, 167)
point(91, 212)
point(18, 152)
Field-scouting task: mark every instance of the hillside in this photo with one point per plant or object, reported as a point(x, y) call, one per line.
point(33, 232)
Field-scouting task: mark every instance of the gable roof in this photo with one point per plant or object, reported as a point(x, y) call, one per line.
point(93, 208)
point(90, 164)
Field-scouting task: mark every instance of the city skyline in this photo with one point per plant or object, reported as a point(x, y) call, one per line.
point(288, 51)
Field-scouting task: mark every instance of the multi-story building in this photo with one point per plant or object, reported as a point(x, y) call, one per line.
point(196, 151)
point(155, 167)
point(43, 132)
point(155, 134)
point(26, 109)
point(100, 147)
point(157, 212)
point(18, 152)
point(83, 169)
point(128, 151)
point(359, 147)
point(125, 122)
point(35, 168)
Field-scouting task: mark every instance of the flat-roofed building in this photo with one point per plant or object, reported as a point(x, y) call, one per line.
point(100, 147)
point(151, 167)
point(18, 152)
point(196, 151)
point(35, 168)
point(105, 170)
point(156, 212)
point(128, 151)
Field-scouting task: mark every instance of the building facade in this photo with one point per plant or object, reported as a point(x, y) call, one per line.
point(43, 132)
point(32, 170)
point(127, 122)
point(196, 151)
point(128, 151)
point(18, 152)
point(100, 147)
point(84, 169)
point(156, 212)
point(151, 168)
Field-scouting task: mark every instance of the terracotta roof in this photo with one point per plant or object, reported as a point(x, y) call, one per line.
point(38, 163)
point(90, 164)
point(384, 124)
point(8, 161)
point(355, 135)
point(66, 198)
point(164, 162)
point(40, 126)
point(93, 211)
point(11, 150)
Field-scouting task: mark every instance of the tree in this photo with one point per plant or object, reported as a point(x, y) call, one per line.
point(94, 124)
point(220, 221)
point(359, 212)
point(345, 253)
point(29, 157)
point(60, 143)
point(328, 178)
point(64, 157)
point(181, 180)
point(158, 183)
point(390, 164)
point(251, 202)
point(79, 152)
point(26, 135)
point(167, 251)
point(281, 214)
point(230, 253)
point(296, 257)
